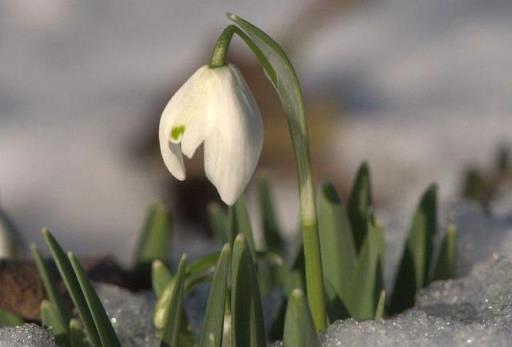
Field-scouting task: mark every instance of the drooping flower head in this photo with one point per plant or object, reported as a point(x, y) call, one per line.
point(215, 107)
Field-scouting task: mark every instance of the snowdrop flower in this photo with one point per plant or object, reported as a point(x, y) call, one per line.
point(214, 106)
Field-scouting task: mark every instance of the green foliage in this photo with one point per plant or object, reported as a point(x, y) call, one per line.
point(416, 260)
point(338, 249)
point(271, 230)
point(160, 277)
point(51, 318)
point(70, 280)
point(77, 336)
point(445, 266)
point(242, 224)
point(248, 329)
point(12, 236)
point(367, 277)
point(219, 222)
point(213, 322)
point(59, 314)
point(103, 326)
point(299, 330)
point(359, 205)
point(154, 242)
point(174, 310)
point(8, 319)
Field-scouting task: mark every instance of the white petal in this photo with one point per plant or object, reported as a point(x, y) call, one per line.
point(233, 147)
point(187, 111)
point(171, 154)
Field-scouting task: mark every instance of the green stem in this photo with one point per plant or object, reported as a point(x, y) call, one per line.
point(287, 85)
point(218, 58)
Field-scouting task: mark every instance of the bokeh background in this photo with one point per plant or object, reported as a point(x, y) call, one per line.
point(420, 89)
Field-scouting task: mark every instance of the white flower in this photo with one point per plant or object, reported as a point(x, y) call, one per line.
point(214, 106)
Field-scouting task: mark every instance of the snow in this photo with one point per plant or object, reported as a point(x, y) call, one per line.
point(28, 335)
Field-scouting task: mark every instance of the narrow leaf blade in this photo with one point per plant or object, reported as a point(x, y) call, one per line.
point(71, 282)
point(417, 255)
point(212, 331)
point(51, 318)
point(445, 267)
point(359, 204)
point(174, 313)
point(160, 277)
point(336, 241)
point(8, 319)
point(247, 325)
point(103, 325)
point(50, 286)
point(299, 329)
point(271, 230)
point(154, 242)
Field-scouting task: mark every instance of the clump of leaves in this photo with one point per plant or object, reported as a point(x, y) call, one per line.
point(483, 185)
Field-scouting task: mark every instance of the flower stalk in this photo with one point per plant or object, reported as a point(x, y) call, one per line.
point(284, 79)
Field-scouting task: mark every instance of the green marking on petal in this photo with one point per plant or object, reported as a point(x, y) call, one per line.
point(177, 132)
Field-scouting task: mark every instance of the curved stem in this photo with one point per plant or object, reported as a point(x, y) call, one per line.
point(284, 79)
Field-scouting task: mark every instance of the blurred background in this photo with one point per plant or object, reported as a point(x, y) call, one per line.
point(420, 89)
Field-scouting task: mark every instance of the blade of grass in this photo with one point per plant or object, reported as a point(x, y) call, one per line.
point(367, 283)
point(154, 242)
point(271, 230)
point(359, 204)
point(445, 267)
point(103, 325)
point(247, 325)
point(160, 277)
point(213, 323)
point(174, 312)
point(281, 73)
point(50, 286)
point(8, 319)
point(336, 241)
point(51, 318)
point(243, 224)
point(219, 222)
point(299, 329)
point(381, 306)
point(76, 335)
point(74, 290)
point(417, 255)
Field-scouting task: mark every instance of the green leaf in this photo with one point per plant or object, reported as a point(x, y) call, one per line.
point(12, 236)
point(174, 312)
point(50, 286)
point(294, 277)
point(271, 230)
point(8, 319)
point(243, 224)
point(417, 255)
point(445, 267)
point(247, 325)
point(359, 204)
point(77, 335)
point(299, 329)
point(154, 242)
point(51, 318)
point(336, 241)
point(281, 73)
point(105, 330)
point(219, 222)
point(367, 283)
point(160, 277)
point(71, 282)
point(381, 305)
point(213, 321)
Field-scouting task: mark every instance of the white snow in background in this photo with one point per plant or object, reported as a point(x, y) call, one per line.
point(28, 335)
